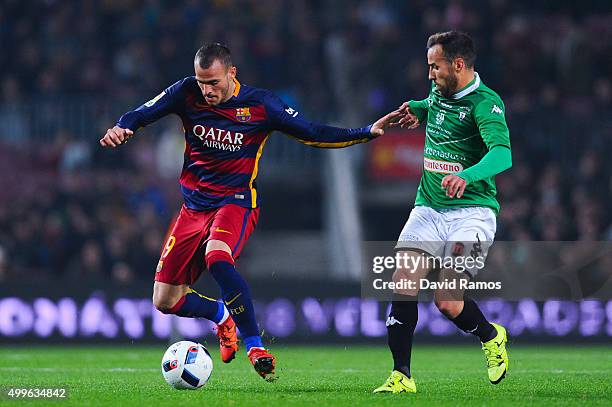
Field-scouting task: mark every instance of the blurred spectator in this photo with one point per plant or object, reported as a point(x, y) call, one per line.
point(3, 264)
point(122, 273)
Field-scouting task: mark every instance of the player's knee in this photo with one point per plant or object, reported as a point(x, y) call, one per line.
point(166, 302)
point(450, 308)
point(216, 255)
point(400, 276)
point(407, 279)
point(164, 305)
point(217, 245)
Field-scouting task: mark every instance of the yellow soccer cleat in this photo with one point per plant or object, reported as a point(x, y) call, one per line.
point(496, 355)
point(397, 383)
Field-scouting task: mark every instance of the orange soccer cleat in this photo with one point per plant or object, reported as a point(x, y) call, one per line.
point(228, 339)
point(263, 362)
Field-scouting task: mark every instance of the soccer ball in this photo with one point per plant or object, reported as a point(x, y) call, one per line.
point(186, 365)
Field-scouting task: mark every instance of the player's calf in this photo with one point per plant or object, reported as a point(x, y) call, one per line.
point(195, 305)
point(403, 317)
point(450, 308)
point(469, 318)
point(236, 295)
point(401, 323)
point(191, 305)
point(461, 310)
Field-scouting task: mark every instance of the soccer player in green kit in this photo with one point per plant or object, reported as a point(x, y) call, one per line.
point(467, 143)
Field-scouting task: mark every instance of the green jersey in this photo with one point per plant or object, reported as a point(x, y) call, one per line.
point(460, 130)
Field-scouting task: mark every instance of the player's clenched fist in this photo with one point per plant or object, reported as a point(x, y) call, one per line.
point(115, 137)
point(453, 185)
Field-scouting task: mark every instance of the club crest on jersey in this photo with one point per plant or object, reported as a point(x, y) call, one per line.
point(440, 118)
point(243, 114)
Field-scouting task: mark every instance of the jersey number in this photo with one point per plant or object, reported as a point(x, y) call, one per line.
point(169, 246)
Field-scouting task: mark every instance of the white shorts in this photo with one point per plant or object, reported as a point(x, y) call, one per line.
point(450, 232)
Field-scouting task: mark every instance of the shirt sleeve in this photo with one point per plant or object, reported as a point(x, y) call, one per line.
point(161, 105)
point(498, 159)
point(491, 123)
point(289, 121)
point(419, 108)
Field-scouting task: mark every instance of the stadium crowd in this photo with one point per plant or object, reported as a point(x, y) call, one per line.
point(61, 195)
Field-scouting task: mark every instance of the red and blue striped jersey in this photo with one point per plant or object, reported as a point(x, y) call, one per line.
point(223, 143)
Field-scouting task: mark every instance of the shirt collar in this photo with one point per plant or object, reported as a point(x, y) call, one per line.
point(237, 88)
point(469, 88)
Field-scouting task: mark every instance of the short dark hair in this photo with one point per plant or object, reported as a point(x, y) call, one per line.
point(455, 44)
point(211, 51)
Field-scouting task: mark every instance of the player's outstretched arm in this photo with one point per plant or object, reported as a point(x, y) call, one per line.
point(115, 137)
point(289, 121)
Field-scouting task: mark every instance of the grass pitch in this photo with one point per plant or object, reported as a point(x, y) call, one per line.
point(314, 376)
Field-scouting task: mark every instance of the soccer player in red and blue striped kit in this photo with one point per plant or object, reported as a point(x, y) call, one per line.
point(226, 127)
